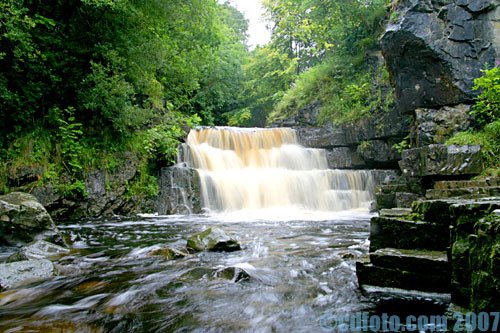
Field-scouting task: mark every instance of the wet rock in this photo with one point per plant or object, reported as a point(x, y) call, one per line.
point(38, 250)
point(437, 125)
point(19, 176)
point(342, 158)
point(395, 212)
point(405, 199)
point(378, 153)
point(405, 234)
point(327, 136)
point(441, 160)
point(24, 219)
point(212, 239)
point(434, 50)
point(179, 191)
point(235, 274)
point(369, 274)
point(412, 260)
point(22, 272)
point(168, 253)
point(474, 254)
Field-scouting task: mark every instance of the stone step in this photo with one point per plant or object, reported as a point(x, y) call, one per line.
point(395, 212)
point(411, 260)
point(471, 192)
point(460, 184)
point(404, 234)
point(429, 281)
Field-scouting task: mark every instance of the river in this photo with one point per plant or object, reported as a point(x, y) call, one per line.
point(300, 271)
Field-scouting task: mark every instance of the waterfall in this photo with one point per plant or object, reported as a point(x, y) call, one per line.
point(257, 168)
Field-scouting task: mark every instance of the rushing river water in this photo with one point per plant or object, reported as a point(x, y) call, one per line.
point(300, 271)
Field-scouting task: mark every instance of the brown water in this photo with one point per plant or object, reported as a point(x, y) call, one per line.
point(255, 169)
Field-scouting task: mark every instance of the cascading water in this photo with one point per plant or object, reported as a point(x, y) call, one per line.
point(259, 169)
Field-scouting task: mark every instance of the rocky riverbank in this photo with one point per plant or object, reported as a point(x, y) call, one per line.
point(438, 227)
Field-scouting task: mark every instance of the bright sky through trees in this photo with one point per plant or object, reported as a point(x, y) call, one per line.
point(258, 34)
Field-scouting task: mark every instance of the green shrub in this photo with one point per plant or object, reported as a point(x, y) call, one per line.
point(487, 107)
point(486, 115)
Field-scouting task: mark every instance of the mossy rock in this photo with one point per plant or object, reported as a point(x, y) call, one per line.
point(168, 253)
point(23, 218)
point(212, 239)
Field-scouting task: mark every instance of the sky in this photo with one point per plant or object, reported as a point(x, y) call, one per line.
point(253, 11)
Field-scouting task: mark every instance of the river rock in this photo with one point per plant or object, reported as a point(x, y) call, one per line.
point(435, 49)
point(22, 272)
point(235, 274)
point(23, 218)
point(212, 239)
point(168, 253)
point(38, 250)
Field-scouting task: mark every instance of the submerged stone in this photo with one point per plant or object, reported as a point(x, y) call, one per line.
point(212, 239)
point(168, 253)
point(235, 274)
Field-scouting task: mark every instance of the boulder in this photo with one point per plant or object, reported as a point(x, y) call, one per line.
point(212, 239)
point(435, 49)
point(38, 250)
point(22, 272)
point(24, 219)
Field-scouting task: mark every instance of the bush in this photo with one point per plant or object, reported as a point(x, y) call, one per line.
point(487, 107)
point(486, 116)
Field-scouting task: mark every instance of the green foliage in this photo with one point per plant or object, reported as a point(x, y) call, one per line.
point(83, 83)
point(486, 114)
point(239, 117)
point(70, 133)
point(489, 140)
point(404, 144)
point(332, 46)
point(487, 107)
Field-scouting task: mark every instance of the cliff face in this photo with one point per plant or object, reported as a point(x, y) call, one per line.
point(435, 48)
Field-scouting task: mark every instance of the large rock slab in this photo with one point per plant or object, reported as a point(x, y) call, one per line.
point(405, 234)
point(435, 49)
point(22, 272)
point(369, 274)
point(441, 160)
point(23, 219)
point(412, 260)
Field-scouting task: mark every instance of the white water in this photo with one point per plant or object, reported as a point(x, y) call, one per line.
point(255, 171)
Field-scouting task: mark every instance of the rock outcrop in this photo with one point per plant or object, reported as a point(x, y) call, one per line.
point(106, 192)
point(23, 219)
point(435, 49)
point(179, 191)
point(366, 144)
